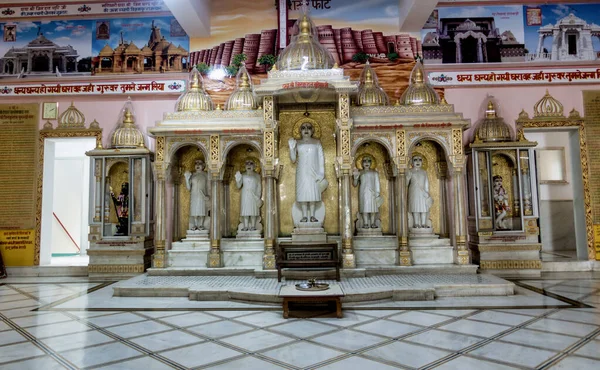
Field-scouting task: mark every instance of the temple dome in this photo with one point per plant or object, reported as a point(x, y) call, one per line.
point(127, 135)
point(243, 97)
point(71, 118)
point(419, 91)
point(304, 51)
point(492, 128)
point(548, 107)
point(195, 98)
point(369, 92)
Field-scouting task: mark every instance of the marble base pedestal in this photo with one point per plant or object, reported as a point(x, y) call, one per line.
point(369, 232)
point(194, 235)
point(245, 235)
point(379, 251)
point(236, 253)
point(120, 257)
point(429, 249)
point(309, 232)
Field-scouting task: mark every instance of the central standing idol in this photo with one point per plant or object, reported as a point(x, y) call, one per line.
point(307, 153)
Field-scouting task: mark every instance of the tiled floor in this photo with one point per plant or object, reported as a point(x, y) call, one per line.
point(62, 323)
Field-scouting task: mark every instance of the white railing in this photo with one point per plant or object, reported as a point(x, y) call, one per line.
point(534, 56)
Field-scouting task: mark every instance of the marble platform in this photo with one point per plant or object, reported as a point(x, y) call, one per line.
point(411, 287)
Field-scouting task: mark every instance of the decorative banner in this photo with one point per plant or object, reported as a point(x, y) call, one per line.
point(61, 10)
point(515, 77)
point(96, 88)
point(17, 247)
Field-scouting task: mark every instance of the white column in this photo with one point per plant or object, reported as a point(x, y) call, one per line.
point(479, 50)
point(458, 52)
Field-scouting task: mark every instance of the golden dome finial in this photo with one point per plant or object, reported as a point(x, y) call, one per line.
point(491, 110)
point(195, 80)
point(548, 106)
point(368, 77)
point(127, 117)
point(304, 26)
point(418, 77)
point(245, 84)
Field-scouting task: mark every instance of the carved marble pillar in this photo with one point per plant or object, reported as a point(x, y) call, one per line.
point(29, 62)
point(460, 224)
point(458, 52)
point(98, 192)
point(215, 257)
point(391, 178)
point(176, 176)
point(442, 168)
point(160, 227)
point(479, 50)
point(269, 173)
point(404, 254)
point(50, 62)
point(344, 165)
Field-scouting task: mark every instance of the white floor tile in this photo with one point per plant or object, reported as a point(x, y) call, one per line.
point(4, 326)
point(534, 338)
point(53, 330)
point(356, 363)
point(453, 313)
point(349, 340)
point(41, 319)
point(577, 316)
point(303, 328)
point(200, 354)
point(444, 340)
point(220, 329)
point(512, 353)
point(419, 318)
point(168, 340)
point(257, 340)
point(387, 328)
point(573, 362)
point(528, 311)
point(481, 329)
point(117, 319)
point(39, 363)
point(467, 363)
point(592, 349)
point(407, 354)
point(379, 313)
point(159, 314)
point(263, 319)
point(189, 319)
point(501, 318)
point(144, 363)
point(10, 337)
point(247, 363)
point(563, 327)
point(138, 328)
point(302, 354)
point(350, 318)
point(100, 355)
point(25, 303)
point(231, 314)
point(76, 340)
point(19, 351)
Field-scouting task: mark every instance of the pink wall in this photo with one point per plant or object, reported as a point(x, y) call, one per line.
point(105, 109)
point(471, 102)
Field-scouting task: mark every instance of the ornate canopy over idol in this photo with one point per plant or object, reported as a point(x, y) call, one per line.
point(419, 91)
point(369, 92)
point(195, 98)
point(243, 97)
point(548, 107)
point(492, 128)
point(304, 51)
point(127, 135)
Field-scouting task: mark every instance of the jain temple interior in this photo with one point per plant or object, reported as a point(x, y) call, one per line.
point(380, 184)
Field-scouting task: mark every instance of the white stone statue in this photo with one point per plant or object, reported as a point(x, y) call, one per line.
point(308, 155)
point(199, 185)
point(369, 198)
point(501, 205)
point(250, 203)
point(419, 200)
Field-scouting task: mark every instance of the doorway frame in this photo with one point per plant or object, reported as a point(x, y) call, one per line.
point(558, 120)
point(60, 133)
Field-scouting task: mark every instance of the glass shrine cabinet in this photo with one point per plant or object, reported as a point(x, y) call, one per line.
point(503, 199)
point(121, 196)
